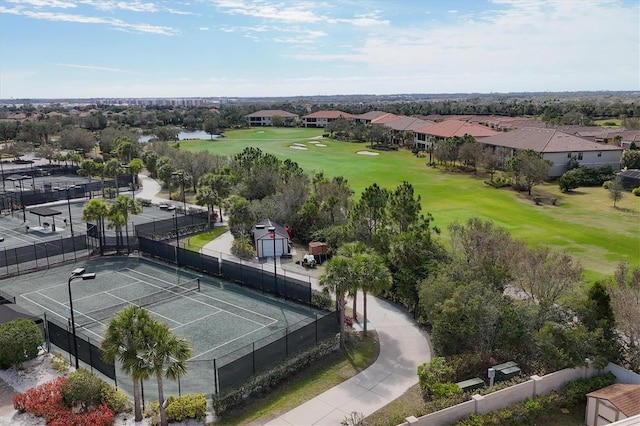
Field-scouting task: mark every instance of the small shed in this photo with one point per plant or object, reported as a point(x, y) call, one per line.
point(270, 237)
point(630, 178)
point(616, 402)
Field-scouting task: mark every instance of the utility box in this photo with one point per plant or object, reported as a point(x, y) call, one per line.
point(471, 384)
point(507, 373)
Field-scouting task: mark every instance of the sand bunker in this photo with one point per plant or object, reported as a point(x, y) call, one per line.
point(319, 144)
point(298, 147)
point(299, 144)
point(367, 153)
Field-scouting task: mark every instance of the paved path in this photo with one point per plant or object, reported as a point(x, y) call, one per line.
point(403, 346)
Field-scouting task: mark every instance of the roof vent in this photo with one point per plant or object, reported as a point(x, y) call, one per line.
point(259, 226)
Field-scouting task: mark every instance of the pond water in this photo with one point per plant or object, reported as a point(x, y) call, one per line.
point(183, 136)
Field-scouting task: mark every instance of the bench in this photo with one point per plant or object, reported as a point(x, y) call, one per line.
point(471, 384)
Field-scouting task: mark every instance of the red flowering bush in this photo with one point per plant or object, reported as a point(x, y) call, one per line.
point(46, 401)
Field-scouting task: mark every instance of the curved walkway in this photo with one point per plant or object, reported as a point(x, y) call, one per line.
point(403, 346)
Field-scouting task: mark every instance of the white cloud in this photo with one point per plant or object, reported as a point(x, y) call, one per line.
point(137, 6)
point(96, 68)
point(45, 3)
point(82, 19)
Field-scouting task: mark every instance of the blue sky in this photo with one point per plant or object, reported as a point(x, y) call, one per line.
point(203, 48)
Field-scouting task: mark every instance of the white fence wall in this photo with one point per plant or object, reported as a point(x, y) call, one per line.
point(623, 375)
point(536, 386)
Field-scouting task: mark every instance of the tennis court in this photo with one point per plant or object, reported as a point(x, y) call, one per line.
point(216, 317)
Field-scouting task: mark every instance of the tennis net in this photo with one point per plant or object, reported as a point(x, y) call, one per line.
point(87, 318)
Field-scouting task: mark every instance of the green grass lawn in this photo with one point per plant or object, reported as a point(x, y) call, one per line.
point(604, 122)
point(196, 242)
point(583, 223)
point(332, 370)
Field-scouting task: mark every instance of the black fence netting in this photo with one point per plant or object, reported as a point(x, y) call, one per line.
point(183, 224)
point(44, 254)
point(260, 356)
point(87, 352)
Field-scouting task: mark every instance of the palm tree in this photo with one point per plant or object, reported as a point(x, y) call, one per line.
point(115, 169)
point(337, 279)
point(135, 166)
point(121, 209)
point(96, 210)
point(117, 221)
point(352, 251)
point(166, 355)
point(374, 277)
point(88, 168)
point(124, 339)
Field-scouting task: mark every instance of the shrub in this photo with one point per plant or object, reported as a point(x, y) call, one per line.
point(321, 300)
point(187, 407)
point(60, 364)
point(20, 340)
point(46, 401)
point(431, 373)
point(152, 412)
point(607, 184)
point(636, 191)
point(575, 392)
point(115, 399)
point(83, 389)
point(537, 199)
point(445, 390)
point(554, 201)
point(242, 248)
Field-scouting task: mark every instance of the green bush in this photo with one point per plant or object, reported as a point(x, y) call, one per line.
point(83, 389)
point(575, 392)
point(445, 390)
point(321, 300)
point(60, 364)
point(152, 412)
point(115, 399)
point(187, 407)
point(242, 248)
point(20, 340)
point(607, 184)
point(636, 191)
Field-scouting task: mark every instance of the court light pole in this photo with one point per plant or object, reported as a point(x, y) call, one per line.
point(175, 219)
point(77, 273)
point(184, 202)
point(272, 234)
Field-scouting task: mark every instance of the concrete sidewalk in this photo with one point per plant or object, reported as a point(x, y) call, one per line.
point(403, 346)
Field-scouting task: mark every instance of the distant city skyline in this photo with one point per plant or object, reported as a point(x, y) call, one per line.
point(277, 48)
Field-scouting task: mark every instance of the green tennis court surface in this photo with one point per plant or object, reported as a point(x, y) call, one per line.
point(215, 316)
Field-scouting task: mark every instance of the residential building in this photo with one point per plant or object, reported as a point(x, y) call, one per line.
point(555, 146)
point(433, 133)
point(322, 118)
point(264, 117)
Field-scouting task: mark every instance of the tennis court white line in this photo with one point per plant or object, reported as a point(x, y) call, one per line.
point(218, 300)
point(130, 302)
point(57, 314)
point(226, 343)
point(196, 320)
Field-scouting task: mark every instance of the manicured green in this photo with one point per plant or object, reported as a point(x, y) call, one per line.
point(584, 223)
point(604, 121)
point(196, 242)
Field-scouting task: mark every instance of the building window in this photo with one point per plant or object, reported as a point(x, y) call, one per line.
point(600, 154)
point(568, 155)
point(579, 156)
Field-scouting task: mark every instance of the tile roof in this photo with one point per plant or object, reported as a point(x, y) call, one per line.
point(329, 114)
point(451, 128)
point(408, 123)
point(387, 118)
point(271, 113)
point(625, 397)
point(371, 115)
point(545, 140)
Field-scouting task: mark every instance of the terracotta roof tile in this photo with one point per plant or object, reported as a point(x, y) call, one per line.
point(271, 113)
point(625, 397)
point(451, 128)
point(329, 114)
point(545, 140)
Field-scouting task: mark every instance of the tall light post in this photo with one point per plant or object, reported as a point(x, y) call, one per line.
point(77, 273)
point(184, 202)
point(175, 218)
point(69, 207)
point(272, 234)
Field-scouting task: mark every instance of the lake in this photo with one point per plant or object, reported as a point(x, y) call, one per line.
point(183, 136)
